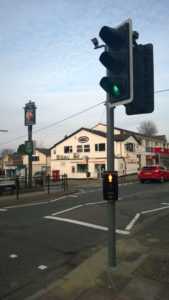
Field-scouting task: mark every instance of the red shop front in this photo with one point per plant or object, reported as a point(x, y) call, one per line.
point(162, 156)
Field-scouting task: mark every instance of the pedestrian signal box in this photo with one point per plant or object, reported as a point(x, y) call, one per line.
point(110, 185)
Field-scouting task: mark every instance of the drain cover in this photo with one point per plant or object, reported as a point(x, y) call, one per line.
point(155, 267)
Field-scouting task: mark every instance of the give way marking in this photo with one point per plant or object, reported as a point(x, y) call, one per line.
point(133, 221)
point(85, 224)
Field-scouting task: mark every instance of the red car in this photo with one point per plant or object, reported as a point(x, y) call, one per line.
point(154, 173)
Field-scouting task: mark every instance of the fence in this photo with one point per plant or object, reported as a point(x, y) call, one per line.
point(20, 185)
point(47, 184)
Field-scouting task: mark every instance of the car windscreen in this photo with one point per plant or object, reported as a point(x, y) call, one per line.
point(149, 168)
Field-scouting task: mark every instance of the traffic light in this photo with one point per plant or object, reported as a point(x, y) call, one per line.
point(118, 60)
point(110, 185)
point(143, 77)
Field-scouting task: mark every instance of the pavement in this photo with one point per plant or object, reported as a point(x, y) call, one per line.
point(38, 196)
point(141, 270)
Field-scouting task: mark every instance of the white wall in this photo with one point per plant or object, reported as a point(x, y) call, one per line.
point(65, 162)
point(43, 162)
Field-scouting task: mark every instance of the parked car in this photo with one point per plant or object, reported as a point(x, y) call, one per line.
point(7, 183)
point(154, 173)
point(38, 177)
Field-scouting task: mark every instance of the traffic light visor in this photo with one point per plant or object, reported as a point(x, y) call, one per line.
point(114, 38)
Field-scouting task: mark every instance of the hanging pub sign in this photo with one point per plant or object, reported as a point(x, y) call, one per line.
point(30, 113)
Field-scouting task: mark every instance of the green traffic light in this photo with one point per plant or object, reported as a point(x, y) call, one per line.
point(110, 86)
point(116, 91)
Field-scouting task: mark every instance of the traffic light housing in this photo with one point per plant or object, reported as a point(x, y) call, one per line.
point(143, 78)
point(118, 60)
point(110, 185)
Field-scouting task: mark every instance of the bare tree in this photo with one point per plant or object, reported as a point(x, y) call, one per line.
point(148, 128)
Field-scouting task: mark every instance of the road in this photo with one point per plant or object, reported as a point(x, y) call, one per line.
point(41, 242)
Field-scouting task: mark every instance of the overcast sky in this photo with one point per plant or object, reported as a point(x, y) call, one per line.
point(46, 56)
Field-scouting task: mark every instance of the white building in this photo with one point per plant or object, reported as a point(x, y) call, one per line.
point(40, 161)
point(150, 150)
point(84, 153)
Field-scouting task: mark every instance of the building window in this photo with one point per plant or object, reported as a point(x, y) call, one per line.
point(35, 158)
point(67, 149)
point(54, 151)
point(129, 147)
point(100, 147)
point(100, 167)
point(73, 169)
point(79, 148)
point(147, 143)
point(81, 168)
point(86, 148)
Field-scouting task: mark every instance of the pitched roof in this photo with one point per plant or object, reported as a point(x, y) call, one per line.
point(117, 137)
point(44, 151)
point(159, 137)
point(15, 156)
point(101, 133)
point(137, 134)
point(123, 137)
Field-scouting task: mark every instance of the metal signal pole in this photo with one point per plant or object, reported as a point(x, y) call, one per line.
point(110, 167)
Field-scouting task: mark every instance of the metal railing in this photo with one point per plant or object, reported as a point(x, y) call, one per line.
point(19, 185)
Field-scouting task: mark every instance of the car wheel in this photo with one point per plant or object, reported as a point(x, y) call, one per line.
point(161, 179)
point(141, 180)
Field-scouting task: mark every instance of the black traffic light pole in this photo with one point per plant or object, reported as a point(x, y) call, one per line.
point(110, 166)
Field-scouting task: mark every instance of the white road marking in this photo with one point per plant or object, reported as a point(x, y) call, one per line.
point(77, 206)
point(131, 224)
point(85, 224)
point(94, 203)
point(25, 205)
point(42, 267)
point(152, 210)
point(3, 209)
point(125, 183)
point(62, 211)
point(58, 199)
point(122, 231)
point(76, 222)
point(13, 255)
